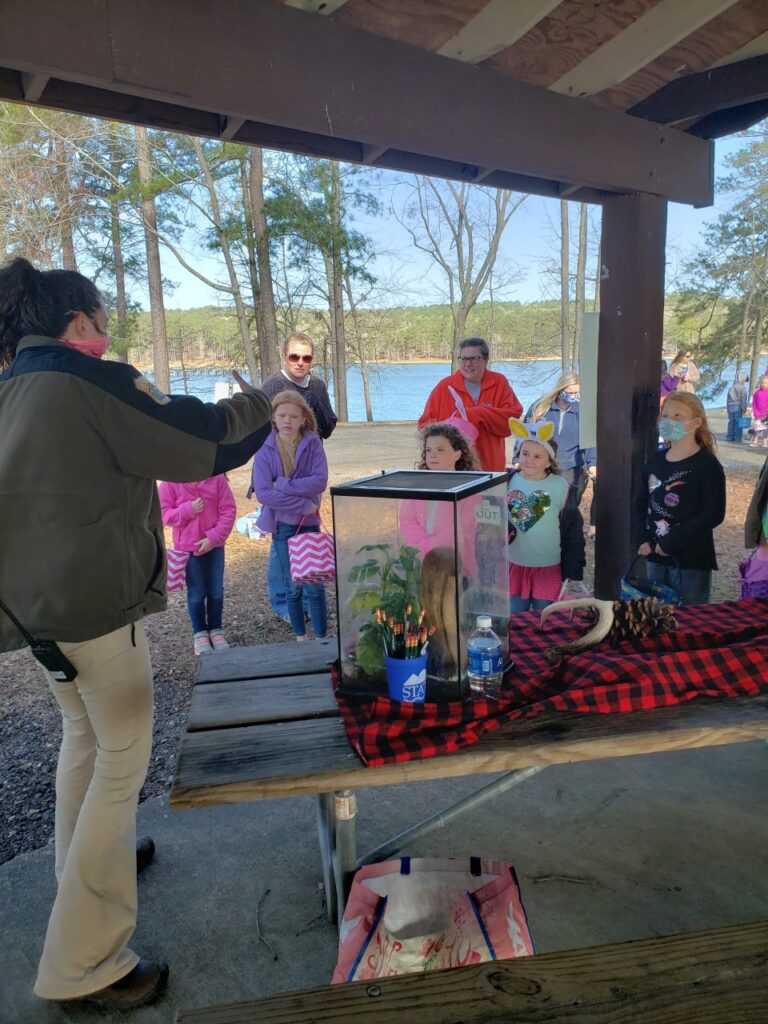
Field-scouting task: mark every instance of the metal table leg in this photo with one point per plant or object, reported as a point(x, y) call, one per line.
point(439, 820)
point(345, 852)
point(326, 830)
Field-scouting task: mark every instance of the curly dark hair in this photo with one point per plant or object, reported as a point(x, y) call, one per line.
point(457, 441)
point(40, 302)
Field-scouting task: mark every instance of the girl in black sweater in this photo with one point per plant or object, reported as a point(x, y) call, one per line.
point(682, 501)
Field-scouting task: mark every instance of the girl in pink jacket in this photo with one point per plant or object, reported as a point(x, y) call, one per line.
point(201, 516)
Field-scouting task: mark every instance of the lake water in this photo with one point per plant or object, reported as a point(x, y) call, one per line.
point(399, 390)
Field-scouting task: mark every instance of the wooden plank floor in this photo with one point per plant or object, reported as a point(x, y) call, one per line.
point(267, 660)
point(710, 977)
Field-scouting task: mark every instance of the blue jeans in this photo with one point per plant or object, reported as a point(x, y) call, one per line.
point(205, 590)
point(277, 596)
point(734, 432)
point(314, 592)
point(693, 584)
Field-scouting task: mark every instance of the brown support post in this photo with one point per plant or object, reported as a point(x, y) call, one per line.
point(628, 371)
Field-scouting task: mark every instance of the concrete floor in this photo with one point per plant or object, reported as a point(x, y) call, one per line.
point(605, 851)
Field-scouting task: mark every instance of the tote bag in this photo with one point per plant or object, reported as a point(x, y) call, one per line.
point(411, 915)
point(754, 574)
point(312, 557)
point(177, 569)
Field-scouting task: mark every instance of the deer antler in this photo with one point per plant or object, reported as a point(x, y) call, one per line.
point(599, 631)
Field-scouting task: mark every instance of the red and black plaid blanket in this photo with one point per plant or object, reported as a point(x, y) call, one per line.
point(718, 650)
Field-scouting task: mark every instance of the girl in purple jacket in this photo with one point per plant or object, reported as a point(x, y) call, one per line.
point(201, 516)
point(290, 473)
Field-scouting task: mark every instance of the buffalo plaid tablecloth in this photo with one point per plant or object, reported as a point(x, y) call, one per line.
point(718, 650)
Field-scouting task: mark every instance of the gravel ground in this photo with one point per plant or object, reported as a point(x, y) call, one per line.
point(30, 729)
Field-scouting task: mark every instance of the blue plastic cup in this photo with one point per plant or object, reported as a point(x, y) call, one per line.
point(407, 678)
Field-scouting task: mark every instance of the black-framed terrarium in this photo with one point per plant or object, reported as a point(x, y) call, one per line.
point(419, 555)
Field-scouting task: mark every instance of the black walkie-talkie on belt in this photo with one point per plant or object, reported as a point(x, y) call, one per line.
point(47, 652)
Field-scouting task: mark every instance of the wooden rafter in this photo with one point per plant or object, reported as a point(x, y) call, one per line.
point(498, 25)
point(354, 90)
point(648, 37)
point(696, 96)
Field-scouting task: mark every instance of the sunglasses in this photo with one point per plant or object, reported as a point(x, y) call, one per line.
point(294, 358)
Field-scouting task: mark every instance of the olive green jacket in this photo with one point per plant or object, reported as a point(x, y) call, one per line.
point(82, 442)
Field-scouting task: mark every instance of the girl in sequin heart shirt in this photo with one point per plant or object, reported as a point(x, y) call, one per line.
point(545, 545)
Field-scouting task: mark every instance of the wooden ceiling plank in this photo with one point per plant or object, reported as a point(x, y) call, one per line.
point(726, 122)
point(696, 96)
point(651, 35)
point(754, 48)
point(497, 26)
point(731, 32)
point(427, 24)
point(355, 89)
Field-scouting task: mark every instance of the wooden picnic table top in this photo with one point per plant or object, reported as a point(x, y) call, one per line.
point(263, 722)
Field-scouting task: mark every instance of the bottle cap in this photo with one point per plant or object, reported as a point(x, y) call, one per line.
point(484, 621)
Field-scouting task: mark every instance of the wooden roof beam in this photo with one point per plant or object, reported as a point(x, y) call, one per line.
point(354, 89)
point(641, 42)
point(707, 92)
point(497, 26)
point(33, 86)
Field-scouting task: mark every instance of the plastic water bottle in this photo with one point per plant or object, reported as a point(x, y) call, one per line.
point(484, 659)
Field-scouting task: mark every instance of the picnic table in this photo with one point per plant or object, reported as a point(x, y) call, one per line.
point(264, 722)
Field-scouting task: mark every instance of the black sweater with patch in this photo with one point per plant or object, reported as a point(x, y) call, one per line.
point(680, 505)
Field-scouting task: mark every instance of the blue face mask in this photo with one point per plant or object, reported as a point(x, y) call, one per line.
point(568, 397)
point(673, 430)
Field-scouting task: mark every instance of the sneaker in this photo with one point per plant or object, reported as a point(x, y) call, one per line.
point(300, 638)
point(218, 640)
point(202, 643)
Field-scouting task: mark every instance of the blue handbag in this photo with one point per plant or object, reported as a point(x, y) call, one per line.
point(633, 586)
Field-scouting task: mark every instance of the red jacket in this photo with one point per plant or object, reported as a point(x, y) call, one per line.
point(490, 414)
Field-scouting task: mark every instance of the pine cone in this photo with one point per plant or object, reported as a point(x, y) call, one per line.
point(639, 617)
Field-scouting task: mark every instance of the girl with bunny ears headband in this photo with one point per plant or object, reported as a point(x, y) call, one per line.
point(540, 433)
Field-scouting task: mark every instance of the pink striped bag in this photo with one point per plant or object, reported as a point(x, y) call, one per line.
point(177, 569)
point(312, 557)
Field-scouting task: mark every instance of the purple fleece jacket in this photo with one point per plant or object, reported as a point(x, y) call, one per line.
point(290, 499)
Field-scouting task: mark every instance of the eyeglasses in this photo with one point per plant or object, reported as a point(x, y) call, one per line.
point(470, 360)
point(293, 357)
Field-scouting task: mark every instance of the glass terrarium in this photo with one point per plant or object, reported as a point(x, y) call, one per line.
point(419, 555)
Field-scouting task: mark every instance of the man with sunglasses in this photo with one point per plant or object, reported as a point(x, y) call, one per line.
point(479, 395)
point(298, 352)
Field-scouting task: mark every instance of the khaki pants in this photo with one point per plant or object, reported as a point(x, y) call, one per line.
point(107, 722)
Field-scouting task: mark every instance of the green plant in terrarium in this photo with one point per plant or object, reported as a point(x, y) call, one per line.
point(385, 580)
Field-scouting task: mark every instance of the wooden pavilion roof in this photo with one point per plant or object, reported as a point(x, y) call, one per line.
point(701, 65)
point(578, 98)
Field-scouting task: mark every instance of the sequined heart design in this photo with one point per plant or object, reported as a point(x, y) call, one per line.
point(525, 510)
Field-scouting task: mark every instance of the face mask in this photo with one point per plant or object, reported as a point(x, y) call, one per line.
point(673, 430)
point(95, 347)
point(568, 397)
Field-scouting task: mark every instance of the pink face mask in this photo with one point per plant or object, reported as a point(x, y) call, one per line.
point(95, 347)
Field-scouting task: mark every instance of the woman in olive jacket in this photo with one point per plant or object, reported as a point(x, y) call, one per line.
point(82, 561)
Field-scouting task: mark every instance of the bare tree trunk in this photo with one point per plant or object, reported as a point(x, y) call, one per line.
point(268, 346)
point(743, 332)
point(757, 346)
point(333, 272)
point(598, 279)
point(237, 295)
point(581, 273)
point(154, 273)
point(61, 156)
point(565, 341)
point(360, 338)
point(121, 298)
point(460, 315)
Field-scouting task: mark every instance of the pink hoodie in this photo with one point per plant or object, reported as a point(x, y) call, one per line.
point(189, 527)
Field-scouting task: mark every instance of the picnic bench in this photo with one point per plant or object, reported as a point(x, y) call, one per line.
point(263, 722)
point(708, 977)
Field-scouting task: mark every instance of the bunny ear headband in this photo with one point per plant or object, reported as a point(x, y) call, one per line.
point(540, 433)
